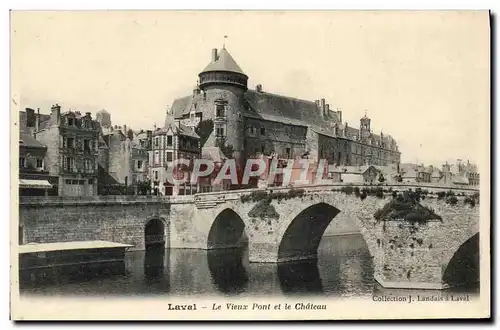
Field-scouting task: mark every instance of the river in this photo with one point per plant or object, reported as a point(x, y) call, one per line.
point(344, 268)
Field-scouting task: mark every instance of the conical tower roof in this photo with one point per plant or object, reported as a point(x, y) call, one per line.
point(223, 62)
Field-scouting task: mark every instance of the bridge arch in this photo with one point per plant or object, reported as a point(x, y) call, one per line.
point(226, 230)
point(156, 232)
point(302, 236)
point(462, 268)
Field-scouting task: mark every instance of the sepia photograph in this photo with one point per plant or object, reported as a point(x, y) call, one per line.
point(257, 165)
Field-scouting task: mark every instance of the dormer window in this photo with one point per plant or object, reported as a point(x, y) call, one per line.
point(70, 121)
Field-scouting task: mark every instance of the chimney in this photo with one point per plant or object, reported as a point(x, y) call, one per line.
point(323, 104)
point(214, 54)
point(327, 109)
point(317, 103)
point(37, 120)
point(258, 88)
point(55, 114)
point(339, 114)
point(87, 114)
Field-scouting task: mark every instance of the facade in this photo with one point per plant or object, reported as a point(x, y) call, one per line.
point(72, 150)
point(34, 177)
point(174, 141)
point(123, 156)
point(253, 123)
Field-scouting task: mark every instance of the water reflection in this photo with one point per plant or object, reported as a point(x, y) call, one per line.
point(227, 270)
point(154, 262)
point(344, 268)
point(300, 277)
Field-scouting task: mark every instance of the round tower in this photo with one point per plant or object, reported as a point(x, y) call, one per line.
point(224, 85)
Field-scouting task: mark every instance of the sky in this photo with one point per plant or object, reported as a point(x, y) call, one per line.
point(422, 77)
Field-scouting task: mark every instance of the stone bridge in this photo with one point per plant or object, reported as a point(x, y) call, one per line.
point(287, 227)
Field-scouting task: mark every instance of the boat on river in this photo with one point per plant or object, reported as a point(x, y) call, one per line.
point(45, 263)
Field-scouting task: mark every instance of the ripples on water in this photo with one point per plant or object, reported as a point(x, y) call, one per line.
point(344, 268)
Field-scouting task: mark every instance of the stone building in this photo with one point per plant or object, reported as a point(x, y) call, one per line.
point(72, 150)
point(34, 177)
point(173, 141)
point(249, 123)
point(123, 157)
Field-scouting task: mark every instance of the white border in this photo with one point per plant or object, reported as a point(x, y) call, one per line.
point(214, 4)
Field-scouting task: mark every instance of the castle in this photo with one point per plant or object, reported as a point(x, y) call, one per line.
point(251, 123)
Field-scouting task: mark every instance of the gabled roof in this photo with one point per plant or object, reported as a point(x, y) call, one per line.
point(223, 62)
point(177, 128)
point(26, 140)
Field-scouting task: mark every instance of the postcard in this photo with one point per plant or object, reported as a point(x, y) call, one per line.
point(250, 165)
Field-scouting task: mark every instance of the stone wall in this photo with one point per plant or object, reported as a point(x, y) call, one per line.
point(116, 222)
point(277, 138)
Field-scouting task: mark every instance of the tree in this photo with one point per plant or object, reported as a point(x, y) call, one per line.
point(204, 129)
point(227, 150)
point(130, 134)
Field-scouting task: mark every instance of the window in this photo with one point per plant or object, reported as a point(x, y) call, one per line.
point(156, 175)
point(68, 164)
point(262, 148)
point(219, 110)
point(70, 143)
point(91, 181)
point(169, 156)
point(22, 161)
point(288, 153)
point(262, 131)
point(157, 158)
point(219, 131)
point(156, 142)
point(139, 164)
point(71, 121)
point(253, 130)
point(169, 140)
point(39, 163)
point(88, 166)
point(86, 145)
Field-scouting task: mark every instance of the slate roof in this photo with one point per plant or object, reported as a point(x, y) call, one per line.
point(26, 140)
point(178, 128)
point(302, 112)
point(224, 62)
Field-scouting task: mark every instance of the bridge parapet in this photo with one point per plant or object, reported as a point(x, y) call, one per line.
point(89, 200)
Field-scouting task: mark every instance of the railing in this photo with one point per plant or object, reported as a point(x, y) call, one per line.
point(104, 199)
point(220, 196)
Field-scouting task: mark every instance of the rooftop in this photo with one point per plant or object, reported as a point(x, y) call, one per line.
point(223, 61)
point(60, 246)
point(26, 140)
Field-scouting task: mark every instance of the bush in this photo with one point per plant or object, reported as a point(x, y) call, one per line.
point(363, 194)
point(357, 191)
point(263, 209)
point(470, 201)
point(294, 193)
point(452, 200)
point(347, 189)
point(441, 194)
